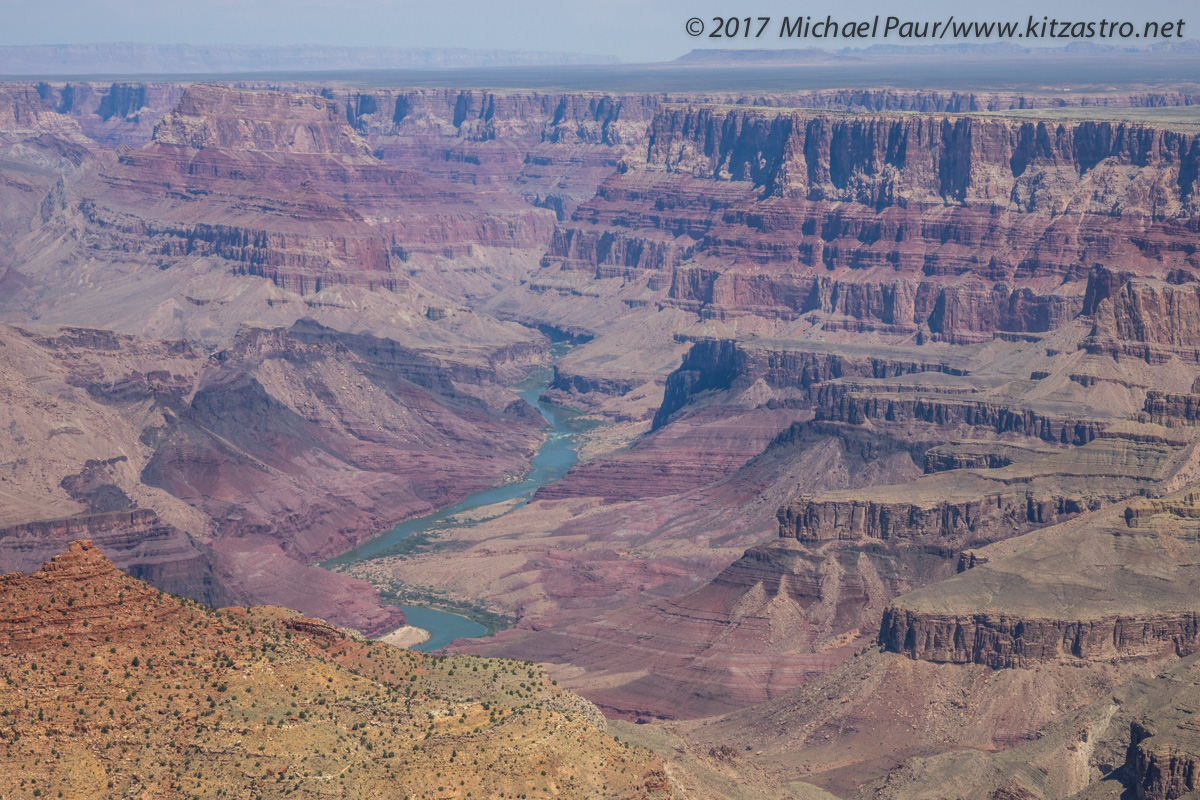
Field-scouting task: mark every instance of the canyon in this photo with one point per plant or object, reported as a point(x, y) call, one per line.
point(890, 401)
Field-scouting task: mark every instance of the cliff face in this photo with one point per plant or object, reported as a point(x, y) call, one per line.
point(809, 519)
point(21, 110)
point(325, 211)
point(139, 543)
point(210, 117)
point(113, 114)
point(877, 223)
point(551, 149)
point(39, 150)
point(878, 161)
point(1037, 619)
point(1159, 768)
point(1147, 318)
point(1005, 642)
point(825, 377)
point(724, 365)
point(871, 222)
point(857, 408)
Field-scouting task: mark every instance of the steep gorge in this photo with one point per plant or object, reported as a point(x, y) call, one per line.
point(868, 362)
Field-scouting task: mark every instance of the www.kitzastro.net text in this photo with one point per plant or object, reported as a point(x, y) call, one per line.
point(889, 27)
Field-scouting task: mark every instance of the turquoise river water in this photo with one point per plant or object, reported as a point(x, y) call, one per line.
point(557, 454)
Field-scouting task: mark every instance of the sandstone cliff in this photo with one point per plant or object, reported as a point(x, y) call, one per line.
point(1024, 615)
point(818, 213)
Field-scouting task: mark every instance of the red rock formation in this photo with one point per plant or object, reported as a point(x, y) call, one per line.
point(1145, 318)
point(39, 151)
point(856, 408)
point(1001, 641)
point(1105, 610)
point(122, 113)
point(728, 365)
point(325, 208)
point(53, 605)
point(878, 221)
point(1158, 770)
point(813, 520)
point(138, 541)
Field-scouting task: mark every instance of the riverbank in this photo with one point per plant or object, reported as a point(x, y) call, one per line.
point(406, 637)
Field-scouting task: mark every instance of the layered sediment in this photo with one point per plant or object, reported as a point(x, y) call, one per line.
point(874, 223)
point(139, 543)
point(325, 204)
point(1054, 613)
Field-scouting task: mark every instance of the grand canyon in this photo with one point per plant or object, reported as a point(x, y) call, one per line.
point(877, 408)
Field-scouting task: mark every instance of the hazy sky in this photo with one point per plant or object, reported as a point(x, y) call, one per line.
point(633, 30)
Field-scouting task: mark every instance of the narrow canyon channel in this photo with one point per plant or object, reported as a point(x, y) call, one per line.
point(557, 455)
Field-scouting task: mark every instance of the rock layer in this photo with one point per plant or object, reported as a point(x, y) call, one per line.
point(138, 541)
point(1080, 614)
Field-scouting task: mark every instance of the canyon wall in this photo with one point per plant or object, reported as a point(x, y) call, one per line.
point(138, 542)
point(1000, 641)
point(1056, 615)
point(877, 223)
point(327, 208)
point(280, 449)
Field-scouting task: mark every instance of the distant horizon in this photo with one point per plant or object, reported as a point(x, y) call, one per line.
point(632, 31)
point(219, 58)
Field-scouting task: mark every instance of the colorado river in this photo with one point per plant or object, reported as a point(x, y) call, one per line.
point(557, 454)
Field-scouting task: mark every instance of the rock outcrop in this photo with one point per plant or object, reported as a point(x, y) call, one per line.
point(1152, 318)
point(1158, 769)
point(731, 365)
point(81, 639)
point(1005, 642)
point(812, 519)
point(1024, 616)
point(138, 541)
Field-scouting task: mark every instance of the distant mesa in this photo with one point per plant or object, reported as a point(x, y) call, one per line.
point(729, 56)
point(785, 56)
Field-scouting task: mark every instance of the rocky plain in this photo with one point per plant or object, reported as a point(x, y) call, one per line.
point(888, 482)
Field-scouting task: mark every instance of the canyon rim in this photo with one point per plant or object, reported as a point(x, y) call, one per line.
point(758, 425)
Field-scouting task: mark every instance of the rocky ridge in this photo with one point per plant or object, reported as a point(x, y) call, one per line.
point(259, 701)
